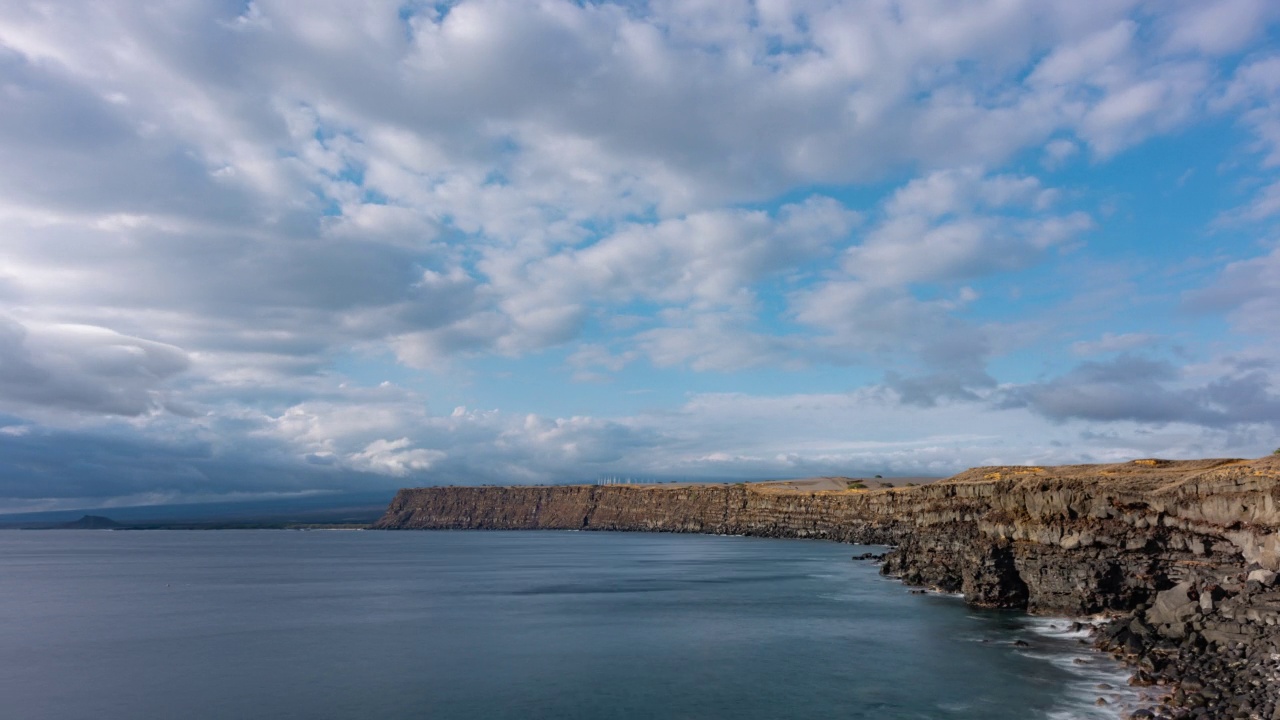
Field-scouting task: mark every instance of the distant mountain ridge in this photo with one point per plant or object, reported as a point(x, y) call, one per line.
point(356, 507)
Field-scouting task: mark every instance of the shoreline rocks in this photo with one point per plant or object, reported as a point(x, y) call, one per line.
point(1214, 665)
point(1183, 554)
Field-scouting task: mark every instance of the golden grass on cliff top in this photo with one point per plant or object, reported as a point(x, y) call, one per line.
point(1147, 474)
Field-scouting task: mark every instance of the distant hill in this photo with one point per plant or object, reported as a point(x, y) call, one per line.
point(91, 522)
point(358, 508)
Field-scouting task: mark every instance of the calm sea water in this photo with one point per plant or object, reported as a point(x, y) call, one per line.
point(280, 624)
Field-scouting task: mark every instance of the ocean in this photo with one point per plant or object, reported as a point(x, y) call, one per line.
point(494, 625)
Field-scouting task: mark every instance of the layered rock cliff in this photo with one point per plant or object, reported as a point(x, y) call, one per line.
point(1075, 539)
point(1185, 550)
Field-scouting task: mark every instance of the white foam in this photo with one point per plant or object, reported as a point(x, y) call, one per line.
point(1060, 645)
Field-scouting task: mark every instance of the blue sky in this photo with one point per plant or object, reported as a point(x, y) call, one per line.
point(248, 251)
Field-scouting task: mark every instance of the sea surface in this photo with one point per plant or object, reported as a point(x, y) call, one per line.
point(493, 625)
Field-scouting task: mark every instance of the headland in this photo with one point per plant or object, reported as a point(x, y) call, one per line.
point(1182, 556)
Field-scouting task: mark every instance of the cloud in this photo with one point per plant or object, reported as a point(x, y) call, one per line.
point(1150, 391)
point(356, 430)
point(1057, 152)
point(944, 229)
point(1248, 291)
point(832, 433)
point(1265, 204)
point(958, 225)
point(395, 457)
point(220, 222)
point(1080, 59)
point(332, 104)
point(1113, 343)
point(1218, 27)
point(1253, 93)
point(382, 438)
point(115, 463)
point(708, 262)
point(715, 341)
point(83, 368)
point(450, 182)
point(590, 361)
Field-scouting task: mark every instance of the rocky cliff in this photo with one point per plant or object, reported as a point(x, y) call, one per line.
point(1183, 552)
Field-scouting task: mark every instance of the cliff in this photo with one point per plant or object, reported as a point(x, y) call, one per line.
point(1185, 551)
point(1074, 539)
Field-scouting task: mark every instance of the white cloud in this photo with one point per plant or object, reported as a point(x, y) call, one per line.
point(954, 225)
point(715, 341)
point(83, 368)
point(1113, 343)
point(1080, 60)
point(590, 362)
point(394, 457)
point(704, 260)
point(218, 206)
point(1248, 291)
point(708, 262)
point(944, 229)
point(1057, 152)
point(1264, 204)
point(1254, 92)
point(947, 192)
point(870, 431)
point(352, 431)
point(1134, 108)
point(1218, 27)
point(464, 120)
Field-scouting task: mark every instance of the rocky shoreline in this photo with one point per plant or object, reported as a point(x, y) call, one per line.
point(1182, 554)
point(1212, 643)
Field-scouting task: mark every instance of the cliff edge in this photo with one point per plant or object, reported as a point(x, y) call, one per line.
point(1183, 553)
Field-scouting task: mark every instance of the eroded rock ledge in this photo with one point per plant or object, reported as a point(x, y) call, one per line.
point(1182, 553)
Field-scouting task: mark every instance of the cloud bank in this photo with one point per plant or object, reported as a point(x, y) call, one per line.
point(247, 248)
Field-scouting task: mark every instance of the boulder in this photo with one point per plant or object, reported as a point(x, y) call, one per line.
point(1173, 606)
point(1266, 578)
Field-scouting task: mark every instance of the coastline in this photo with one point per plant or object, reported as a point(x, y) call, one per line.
point(1182, 554)
point(1103, 687)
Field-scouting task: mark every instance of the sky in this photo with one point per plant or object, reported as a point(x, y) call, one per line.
point(256, 249)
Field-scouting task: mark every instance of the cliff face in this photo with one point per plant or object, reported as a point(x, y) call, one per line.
point(1184, 553)
point(1076, 539)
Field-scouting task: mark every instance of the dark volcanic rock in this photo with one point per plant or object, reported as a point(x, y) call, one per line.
point(1182, 554)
